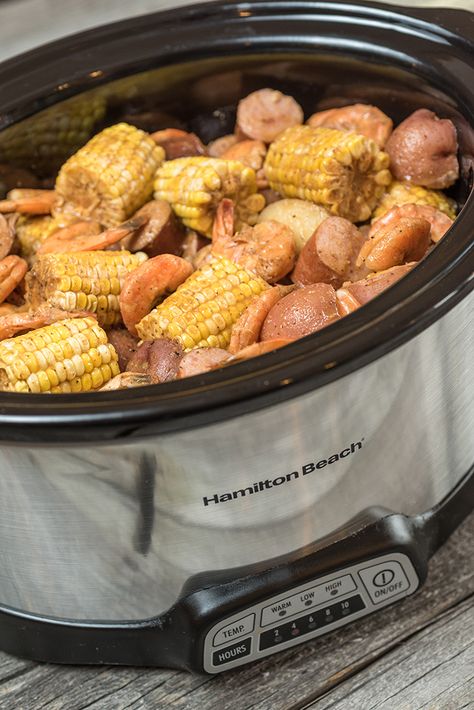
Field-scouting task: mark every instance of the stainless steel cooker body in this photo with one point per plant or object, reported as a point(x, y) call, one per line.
point(110, 502)
point(113, 531)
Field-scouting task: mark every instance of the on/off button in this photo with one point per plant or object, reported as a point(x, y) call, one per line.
point(384, 580)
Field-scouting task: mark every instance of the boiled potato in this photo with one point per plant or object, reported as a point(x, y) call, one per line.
point(302, 217)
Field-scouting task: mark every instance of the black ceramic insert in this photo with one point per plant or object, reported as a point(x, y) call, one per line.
point(189, 67)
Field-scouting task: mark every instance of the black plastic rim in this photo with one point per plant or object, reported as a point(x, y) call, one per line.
point(63, 68)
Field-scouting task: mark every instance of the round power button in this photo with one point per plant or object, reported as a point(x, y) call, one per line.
point(383, 577)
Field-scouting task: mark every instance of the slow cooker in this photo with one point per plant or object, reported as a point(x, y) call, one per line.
point(209, 522)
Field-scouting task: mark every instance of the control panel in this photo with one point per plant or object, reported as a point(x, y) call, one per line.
point(309, 610)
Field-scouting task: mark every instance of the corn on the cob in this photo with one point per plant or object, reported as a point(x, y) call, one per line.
point(110, 177)
point(85, 281)
point(401, 193)
point(202, 311)
point(72, 355)
point(345, 172)
point(44, 141)
point(195, 186)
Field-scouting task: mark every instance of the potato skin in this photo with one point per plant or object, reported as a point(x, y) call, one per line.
point(157, 358)
point(302, 312)
point(423, 149)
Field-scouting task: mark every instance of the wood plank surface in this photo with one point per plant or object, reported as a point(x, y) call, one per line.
point(415, 655)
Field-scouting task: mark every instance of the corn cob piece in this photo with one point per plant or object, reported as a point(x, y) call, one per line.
point(195, 186)
point(401, 193)
point(44, 141)
point(344, 172)
point(72, 355)
point(82, 281)
point(202, 311)
point(110, 177)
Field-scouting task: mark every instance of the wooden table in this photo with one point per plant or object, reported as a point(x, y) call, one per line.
point(415, 655)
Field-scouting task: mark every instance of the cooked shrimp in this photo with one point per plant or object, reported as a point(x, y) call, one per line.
point(247, 329)
point(268, 249)
point(7, 236)
point(219, 146)
point(84, 236)
point(126, 380)
point(145, 286)
point(29, 201)
point(7, 309)
point(353, 295)
point(12, 272)
point(440, 222)
point(405, 240)
point(252, 154)
point(259, 349)
point(368, 120)
point(21, 321)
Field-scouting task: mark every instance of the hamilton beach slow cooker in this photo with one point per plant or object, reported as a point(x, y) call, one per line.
point(205, 523)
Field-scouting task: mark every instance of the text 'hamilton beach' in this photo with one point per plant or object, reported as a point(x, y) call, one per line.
point(260, 486)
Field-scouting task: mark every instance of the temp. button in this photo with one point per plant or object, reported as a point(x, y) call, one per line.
point(239, 628)
point(384, 580)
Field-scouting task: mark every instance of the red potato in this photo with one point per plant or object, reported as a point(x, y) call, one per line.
point(302, 312)
point(246, 330)
point(201, 360)
point(423, 149)
point(264, 114)
point(125, 345)
point(157, 358)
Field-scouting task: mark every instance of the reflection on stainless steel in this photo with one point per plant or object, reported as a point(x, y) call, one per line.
point(112, 532)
